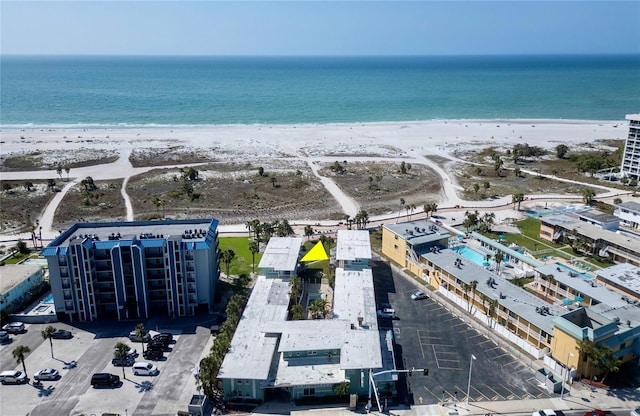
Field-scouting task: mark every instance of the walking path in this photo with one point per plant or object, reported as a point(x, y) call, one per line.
point(451, 202)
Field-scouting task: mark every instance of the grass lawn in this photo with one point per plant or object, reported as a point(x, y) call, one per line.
point(18, 257)
point(241, 263)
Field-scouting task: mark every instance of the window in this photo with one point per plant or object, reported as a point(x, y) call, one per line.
point(313, 352)
point(311, 391)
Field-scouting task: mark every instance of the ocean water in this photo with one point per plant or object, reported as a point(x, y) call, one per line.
point(172, 91)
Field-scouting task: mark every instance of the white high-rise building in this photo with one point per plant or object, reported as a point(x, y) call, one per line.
point(631, 156)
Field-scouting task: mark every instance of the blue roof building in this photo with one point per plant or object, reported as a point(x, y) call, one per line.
point(134, 270)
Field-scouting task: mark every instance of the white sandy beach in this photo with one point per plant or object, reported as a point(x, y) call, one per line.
point(248, 142)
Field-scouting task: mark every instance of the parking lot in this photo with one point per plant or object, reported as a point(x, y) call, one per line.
point(429, 336)
point(92, 348)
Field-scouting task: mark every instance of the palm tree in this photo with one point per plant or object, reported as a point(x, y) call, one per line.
point(254, 248)
point(318, 308)
point(401, 208)
point(473, 285)
point(227, 256)
point(517, 198)
point(476, 188)
point(296, 312)
point(46, 334)
point(466, 288)
point(308, 231)
point(120, 353)
point(296, 287)
point(19, 353)
point(67, 169)
point(427, 208)
point(340, 389)
point(498, 258)
point(412, 207)
point(59, 171)
point(141, 332)
point(587, 196)
point(493, 304)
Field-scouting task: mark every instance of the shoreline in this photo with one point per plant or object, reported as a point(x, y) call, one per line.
point(127, 126)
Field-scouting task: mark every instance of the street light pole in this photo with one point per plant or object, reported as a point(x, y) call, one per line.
point(473, 358)
point(569, 354)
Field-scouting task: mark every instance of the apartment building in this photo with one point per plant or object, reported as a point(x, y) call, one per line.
point(134, 270)
point(631, 157)
point(571, 307)
point(629, 213)
point(271, 355)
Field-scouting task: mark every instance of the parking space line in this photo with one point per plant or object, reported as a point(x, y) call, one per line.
point(421, 349)
point(482, 395)
point(510, 396)
point(493, 390)
point(432, 393)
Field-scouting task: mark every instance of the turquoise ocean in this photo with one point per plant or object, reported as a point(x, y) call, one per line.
point(112, 91)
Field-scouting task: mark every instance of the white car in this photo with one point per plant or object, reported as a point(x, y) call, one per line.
point(47, 374)
point(13, 377)
point(387, 313)
point(14, 327)
point(635, 412)
point(545, 412)
point(417, 295)
point(141, 368)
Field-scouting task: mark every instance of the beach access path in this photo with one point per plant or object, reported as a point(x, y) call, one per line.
point(411, 142)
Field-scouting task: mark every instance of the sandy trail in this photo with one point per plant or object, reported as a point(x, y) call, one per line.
point(412, 142)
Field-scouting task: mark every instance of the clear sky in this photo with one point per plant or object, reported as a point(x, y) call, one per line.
point(318, 28)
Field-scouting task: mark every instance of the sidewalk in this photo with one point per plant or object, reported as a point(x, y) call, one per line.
point(580, 398)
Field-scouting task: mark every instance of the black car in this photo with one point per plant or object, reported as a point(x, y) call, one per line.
point(61, 334)
point(165, 337)
point(153, 355)
point(123, 362)
point(105, 379)
point(158, 346)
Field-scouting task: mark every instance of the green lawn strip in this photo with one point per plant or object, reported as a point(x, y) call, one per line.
point(241, 263)
point(18, 257)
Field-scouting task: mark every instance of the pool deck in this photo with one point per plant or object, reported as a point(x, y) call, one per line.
point(38, 312)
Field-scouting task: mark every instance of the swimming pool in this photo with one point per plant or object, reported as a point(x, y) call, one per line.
point(48, 298)
point(470, 254)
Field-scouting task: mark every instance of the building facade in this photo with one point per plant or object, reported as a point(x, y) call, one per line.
point(134, 270)
point(631, 157)
point(18, 282)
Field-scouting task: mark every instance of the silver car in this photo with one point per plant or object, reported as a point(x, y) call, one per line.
point(47, 374)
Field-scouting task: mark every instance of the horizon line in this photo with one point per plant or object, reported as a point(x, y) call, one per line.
point(544, 54)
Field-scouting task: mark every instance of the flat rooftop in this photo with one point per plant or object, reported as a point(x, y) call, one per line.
point(418, 232)
point(353, 245)
point(193, 230)
point(588, 287)
point(562, 220)
point(252, 350)
point(508, 295)
point(630, 205)
point(624, 274)
point(12, 275)
point(281, 254)
point(598, 216)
